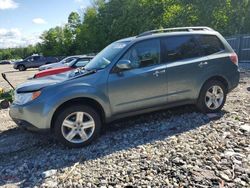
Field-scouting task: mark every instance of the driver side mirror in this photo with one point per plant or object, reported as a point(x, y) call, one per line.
point(124, 65)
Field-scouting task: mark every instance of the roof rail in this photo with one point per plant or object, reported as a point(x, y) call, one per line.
point(188, 29)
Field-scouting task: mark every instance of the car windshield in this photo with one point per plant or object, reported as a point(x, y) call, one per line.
point(71, 62)
point(67, 60)
point(106, 56)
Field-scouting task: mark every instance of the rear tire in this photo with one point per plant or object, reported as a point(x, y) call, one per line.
point(212, 97)
point(21, 68)
point(77, 126)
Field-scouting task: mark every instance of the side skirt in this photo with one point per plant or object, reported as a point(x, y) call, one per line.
point(147, 110)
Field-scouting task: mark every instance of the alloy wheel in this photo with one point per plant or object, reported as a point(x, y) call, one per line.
point(78, 127)
point(214, 97)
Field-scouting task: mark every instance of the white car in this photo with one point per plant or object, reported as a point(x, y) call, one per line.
point(61, 63)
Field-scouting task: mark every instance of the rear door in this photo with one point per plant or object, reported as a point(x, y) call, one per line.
point(142, 86)
point(184, 59)
point(214, 50)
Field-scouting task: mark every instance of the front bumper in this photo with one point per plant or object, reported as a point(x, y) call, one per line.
point(15, 66)
point(30, 117)
point(27, 126)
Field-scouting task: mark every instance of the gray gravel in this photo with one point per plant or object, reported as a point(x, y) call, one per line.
point(179, 147)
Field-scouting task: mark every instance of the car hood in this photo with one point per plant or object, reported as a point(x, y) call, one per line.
point(40, 83)
point(35, 85)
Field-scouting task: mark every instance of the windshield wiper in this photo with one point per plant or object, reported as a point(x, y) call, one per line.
point(88, 72)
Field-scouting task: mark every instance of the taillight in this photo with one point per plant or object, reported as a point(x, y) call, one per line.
point(234, 58)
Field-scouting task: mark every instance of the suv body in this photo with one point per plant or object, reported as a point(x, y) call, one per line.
point(155, 70)
point(34, 61)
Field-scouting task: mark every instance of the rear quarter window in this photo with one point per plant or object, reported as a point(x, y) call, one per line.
point(210, 44)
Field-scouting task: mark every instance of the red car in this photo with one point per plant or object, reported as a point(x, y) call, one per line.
point(77, 63)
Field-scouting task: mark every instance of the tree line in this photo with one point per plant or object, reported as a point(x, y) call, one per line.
point(107, 21)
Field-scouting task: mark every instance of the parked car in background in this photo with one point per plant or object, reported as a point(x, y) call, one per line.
point(5, 62)
point(60, 63)
point(34, 61)
point(155, 70)
point(74, 64)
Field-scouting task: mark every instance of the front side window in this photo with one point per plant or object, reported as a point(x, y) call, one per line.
point(177, 48)
point(210, 44)
point(36, 58)
point(143, 54)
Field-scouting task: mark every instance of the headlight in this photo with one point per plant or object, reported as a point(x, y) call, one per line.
point(23, 98)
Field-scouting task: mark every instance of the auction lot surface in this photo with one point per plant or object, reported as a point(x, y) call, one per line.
point(178, 147)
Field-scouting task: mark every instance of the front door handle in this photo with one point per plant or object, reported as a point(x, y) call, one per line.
point(203, 64)
point(156, 73)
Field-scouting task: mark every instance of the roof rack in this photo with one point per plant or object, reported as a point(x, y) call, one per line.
point(176, 29)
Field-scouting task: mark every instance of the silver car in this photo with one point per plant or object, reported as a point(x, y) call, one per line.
point(60, 63)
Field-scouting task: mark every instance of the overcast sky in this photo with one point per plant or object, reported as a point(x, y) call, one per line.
point(22, 21)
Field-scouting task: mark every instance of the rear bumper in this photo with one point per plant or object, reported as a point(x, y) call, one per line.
point(234, 81)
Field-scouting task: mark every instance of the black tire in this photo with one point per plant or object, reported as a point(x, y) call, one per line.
point(21, 68)
point(64, 113)
point(201, 102)
point(5, 104)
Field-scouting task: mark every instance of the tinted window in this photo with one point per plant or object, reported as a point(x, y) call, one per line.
point(35, 58)
point(180, 47)
point(144, 54)
point(210, 44)
point(67, 60)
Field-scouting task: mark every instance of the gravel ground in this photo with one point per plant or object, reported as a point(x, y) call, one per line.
point(179, 147)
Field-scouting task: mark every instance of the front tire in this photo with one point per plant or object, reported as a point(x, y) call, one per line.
point(21, 68)
point(212, 97)
point(77, 126)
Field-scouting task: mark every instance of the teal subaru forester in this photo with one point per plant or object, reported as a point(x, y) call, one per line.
point(155, 70)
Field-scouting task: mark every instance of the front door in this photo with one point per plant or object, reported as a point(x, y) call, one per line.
point(142, 86)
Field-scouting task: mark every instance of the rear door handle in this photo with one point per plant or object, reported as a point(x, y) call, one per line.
point(203, 64)
point(156, 73)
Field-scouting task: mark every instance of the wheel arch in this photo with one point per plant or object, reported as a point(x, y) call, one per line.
point(223, 80)
point(81, 100)
point(21, 65)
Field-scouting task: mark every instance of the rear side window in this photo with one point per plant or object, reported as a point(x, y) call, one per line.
point(180, 47)
point(210, 44)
